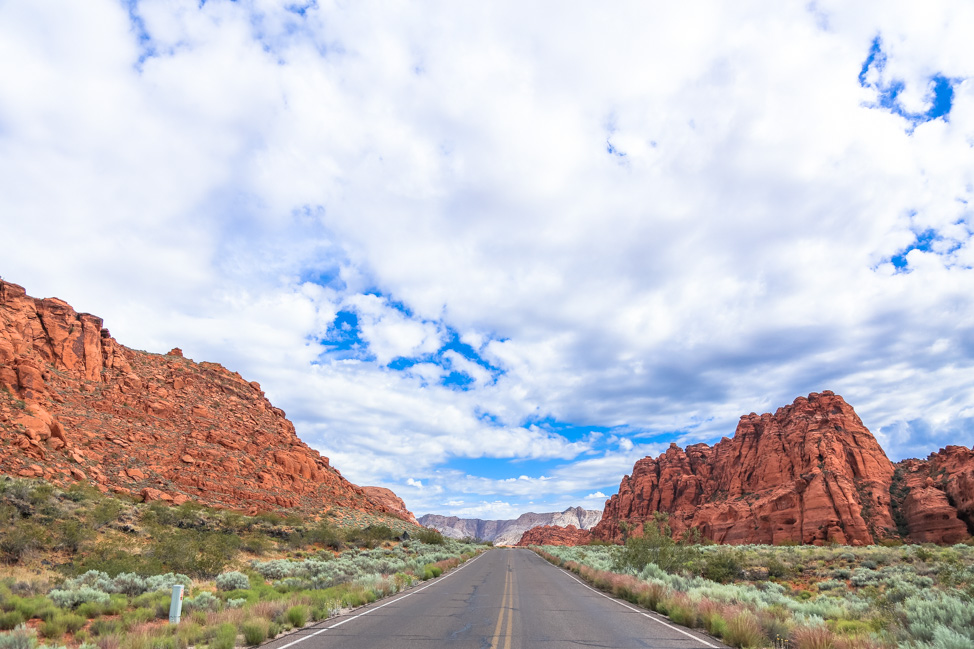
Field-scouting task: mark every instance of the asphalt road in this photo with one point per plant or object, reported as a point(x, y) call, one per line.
point(504, 599)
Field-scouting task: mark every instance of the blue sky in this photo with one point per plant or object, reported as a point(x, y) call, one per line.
point(489, 255)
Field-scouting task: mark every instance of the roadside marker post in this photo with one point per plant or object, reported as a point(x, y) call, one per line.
point(176, 605)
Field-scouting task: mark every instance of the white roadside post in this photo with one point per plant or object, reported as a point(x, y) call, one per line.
point(176, 605)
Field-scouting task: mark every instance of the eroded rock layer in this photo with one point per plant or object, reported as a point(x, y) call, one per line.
point(77, 405)
point(809, 473)
point(555, 535)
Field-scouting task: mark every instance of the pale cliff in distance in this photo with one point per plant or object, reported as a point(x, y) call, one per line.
point(508, 532)
point(75, 405)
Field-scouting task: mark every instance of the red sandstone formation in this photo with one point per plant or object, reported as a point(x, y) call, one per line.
point(76, 405)
point(810, 473)
point(390, 501)
point(555, 535)
point(936, 501)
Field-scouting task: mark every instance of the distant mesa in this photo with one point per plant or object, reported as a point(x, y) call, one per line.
point(75, 405)
point(811, 473)
point(508, 532)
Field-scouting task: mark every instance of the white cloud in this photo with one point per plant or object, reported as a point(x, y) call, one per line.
point(233, 182)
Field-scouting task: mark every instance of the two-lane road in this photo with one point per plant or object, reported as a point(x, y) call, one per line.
point(504, 599)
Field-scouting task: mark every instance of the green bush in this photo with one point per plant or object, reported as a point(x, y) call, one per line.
point(297, 616)
point(54, 627)
point(722, 566)
point(254, 632)
point(105, 627)
point(11, 620)
point(430, 536)
point(225, 637)
point(18, 537)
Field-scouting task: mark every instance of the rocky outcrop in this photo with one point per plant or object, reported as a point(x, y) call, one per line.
point(77, 405)
point(508, 532)
point(934, 498)
point(555, 535)
point(809, 473)
point(390, 501)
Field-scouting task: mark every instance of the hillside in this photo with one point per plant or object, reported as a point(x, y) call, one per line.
point(75, 405)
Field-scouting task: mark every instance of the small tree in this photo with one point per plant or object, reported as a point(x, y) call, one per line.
point(656, 545)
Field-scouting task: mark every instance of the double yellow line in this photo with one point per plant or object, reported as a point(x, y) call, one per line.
point(505, 627)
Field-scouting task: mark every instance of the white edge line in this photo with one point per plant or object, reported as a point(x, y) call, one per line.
point(635, 610)
point(376, 608)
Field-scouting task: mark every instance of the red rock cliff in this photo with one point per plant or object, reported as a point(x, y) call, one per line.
point(393, 503)
point(809, 473)
point(555, 535)
point(934, 498)
point(76, 405)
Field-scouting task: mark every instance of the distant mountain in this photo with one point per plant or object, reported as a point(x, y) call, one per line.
point(509, 532)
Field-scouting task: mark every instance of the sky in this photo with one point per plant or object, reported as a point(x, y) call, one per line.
point(488, 255)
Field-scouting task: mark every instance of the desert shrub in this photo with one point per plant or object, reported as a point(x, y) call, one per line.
point(19, 536)
point(54, 627)
point(931, 612)
point(254, 632)
point(74, 597)
point(297, 616)
point(128, 583)
point(105, 512)
point(430, 536)
point(722, 566)
point(224, 637)
point(256, 544)
point(777, 568)
point(71, 534)
point(237, 602)
point(276, 569)
point(830, 584)
point(205, 601)
point(813, 637)
point(89, 610)
point(20, 638)
point(681, 610)
point(656, 546)
point(232, 581)
point(137, 616)
point(11, 620)
point(105, 627)
point(743, 631)
point(194, 553)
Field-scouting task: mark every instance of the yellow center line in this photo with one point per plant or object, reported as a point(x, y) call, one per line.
point(510, 617)
point(507, 611)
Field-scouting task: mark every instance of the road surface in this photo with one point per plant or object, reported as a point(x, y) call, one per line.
point(503, 599)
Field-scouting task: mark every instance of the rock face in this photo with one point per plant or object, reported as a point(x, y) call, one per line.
point(555, 535)
point(935, 497)
point(508, 532)
point(393, 503)
point(77, 405)
point(809, 473)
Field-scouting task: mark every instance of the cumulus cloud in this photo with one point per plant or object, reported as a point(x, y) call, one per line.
point(428, 232)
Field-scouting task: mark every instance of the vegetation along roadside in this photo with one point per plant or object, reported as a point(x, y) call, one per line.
point(800, 597)
point(80, 569)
